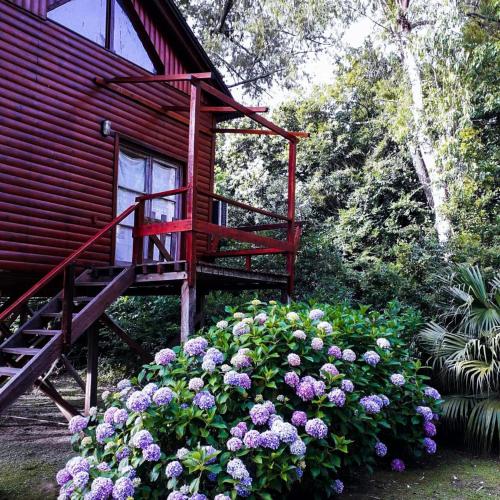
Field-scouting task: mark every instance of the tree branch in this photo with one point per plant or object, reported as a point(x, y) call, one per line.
point(256, 78)
point(228, 5)
point(484, 18)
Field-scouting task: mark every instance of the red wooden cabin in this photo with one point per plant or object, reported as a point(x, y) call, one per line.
point(109, 115)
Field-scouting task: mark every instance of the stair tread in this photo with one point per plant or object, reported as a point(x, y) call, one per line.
point(41, 332)
point(8, 371)
point(54, 315)
point(92, 283)
point(82, 299)
point(29, 351)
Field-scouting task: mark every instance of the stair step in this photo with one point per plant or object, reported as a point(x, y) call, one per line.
point(7, 371)
point(92, 283)
point(22, 351)
point(54, 315)
point(41, 332)
point(82, 299)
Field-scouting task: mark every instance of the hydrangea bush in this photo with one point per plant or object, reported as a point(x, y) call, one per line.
point(270, 401)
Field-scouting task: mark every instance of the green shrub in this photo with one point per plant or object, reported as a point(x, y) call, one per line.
point(293, 413)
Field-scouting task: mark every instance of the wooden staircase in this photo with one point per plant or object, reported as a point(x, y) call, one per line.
point(31, 350)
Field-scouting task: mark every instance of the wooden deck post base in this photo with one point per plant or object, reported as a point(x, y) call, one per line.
point(188, 310)
point(91, 382)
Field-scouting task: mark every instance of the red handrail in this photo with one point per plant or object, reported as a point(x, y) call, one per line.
point(68, 260)
point(162, 194)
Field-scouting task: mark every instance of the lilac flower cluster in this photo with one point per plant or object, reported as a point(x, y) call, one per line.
point(346, 385)
point(241, 328)
point(138, 401)
point(426, 412)
point(380, 449)
point(337, 397)
point(123, 384)
point(236, 469)
point(316, 428)
point(335, 352)
point(101, 488)
point(204, 400)
point(122, 453)
point(298, 447)
point(309, 388)
point(165, 357)
point(371, 357)
point(195, 347)
point(349, 355)
point(236, 379)
point(163, 396)
point(77, 424)
point(150, 389)
point(397, 379)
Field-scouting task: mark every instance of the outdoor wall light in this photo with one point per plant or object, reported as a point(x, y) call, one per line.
point(106, 128)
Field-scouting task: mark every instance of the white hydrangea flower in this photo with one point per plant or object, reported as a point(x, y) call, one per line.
point(383, 343)
point(256, 302)
point(248, 321)
point(238, 315)
point(325, 327)
point(222, 325)
point(292, 316)
point(315, 314)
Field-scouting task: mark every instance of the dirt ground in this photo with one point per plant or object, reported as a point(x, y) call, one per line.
point(32, 451)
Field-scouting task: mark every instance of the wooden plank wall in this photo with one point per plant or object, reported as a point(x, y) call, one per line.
point(56, 170)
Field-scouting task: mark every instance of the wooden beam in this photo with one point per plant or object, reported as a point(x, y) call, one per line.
point(110, 323)
point(67, 303)
point(175, 226)
point(243, 252)
point(161, 247)
point(236, 234)
point(255, 131)
point(72, 371)
point(67, 409)
point(290, 258)
point(230, 109)
point(188, 310)
point(148, 103)
point(163, 194)
point(180, 77)
point(92, 358)
point(247, 111)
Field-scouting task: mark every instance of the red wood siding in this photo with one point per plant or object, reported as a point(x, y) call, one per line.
point(56, 170)
point(37, 7)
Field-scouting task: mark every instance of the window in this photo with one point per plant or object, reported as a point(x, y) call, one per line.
point(107, 23)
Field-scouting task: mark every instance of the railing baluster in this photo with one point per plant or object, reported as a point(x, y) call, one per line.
point(67, 302)
point(138, 247)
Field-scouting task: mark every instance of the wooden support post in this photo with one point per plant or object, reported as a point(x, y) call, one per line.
point(92, 356)
point(138, 246)
point(188, 310)
point(67, 303)
point(49, 390)
point(290, 256)
point(72, 371)
point(192, 176)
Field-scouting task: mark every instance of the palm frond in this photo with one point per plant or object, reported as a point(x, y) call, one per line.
point(456, 410)
point(483, 426)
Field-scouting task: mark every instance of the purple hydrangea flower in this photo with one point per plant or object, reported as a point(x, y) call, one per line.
point(291, 379)
point(317, 344)
point(163, 396)
point(426, 412)
point(109, 415)
point(174, 469)
point(260, 318)
point(286, 432)
point(204, 400)
point(377, 399)
point(330, 369)
point(269, 439)
point(239, 430)
point(299, 418)
point(208, 365)
point(215, 355)
point(122, 453)
point(241, 360)
point(123, 489)
point(324, 326)
point(299, 472)
point(198, 496)
point(234, 444)
point(337, 397)
point(370, 405)
point(77, 424)
point(195, 347)
point(397, 379)
point(196, 384)
point(432, 393)
point(150, 389)
point(142, 439)
point(299, 335)
point(241, 328)
point(337, 486)
point(305, 390)
point(177, 495)
point(236, 379)
point(251, 439)
point(349, 355)
point(371, 357)
point(319, 388)
point(165, 357)
point(398, 465)
point(152, 453)
point(383, 343)
point(220, 496)
point(316, 428)
point(273, 419)
point(120, 416)
point(293, 359)
point(63, 476)
point(298, 447)
point(429, 429)
point(236, 469)
point(259, 414)
point(124, 384)
point(385, 400)
point(243, 487)
point(380, 449)
point(102, 488)
point(430, 445)
point(138, 401)
point(269, 407)
point(104, 431)
point(335, 352)
point(103, 467)
point(346, 385)
point(316, 314)
point(129, 471)
point(81, 480)
point(182, 453)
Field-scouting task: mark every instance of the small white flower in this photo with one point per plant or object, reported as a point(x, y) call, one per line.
point(222, 325)
point(325, 327)
point(248, 321)
point(256, 302)
point(238, 315)
point(292, 316)
point(383, 343)
point(105, 395)
point(93, 411)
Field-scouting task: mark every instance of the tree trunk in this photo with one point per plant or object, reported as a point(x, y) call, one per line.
point(423, 153)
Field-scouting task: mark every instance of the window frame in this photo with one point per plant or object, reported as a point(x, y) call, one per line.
point(109, 32)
